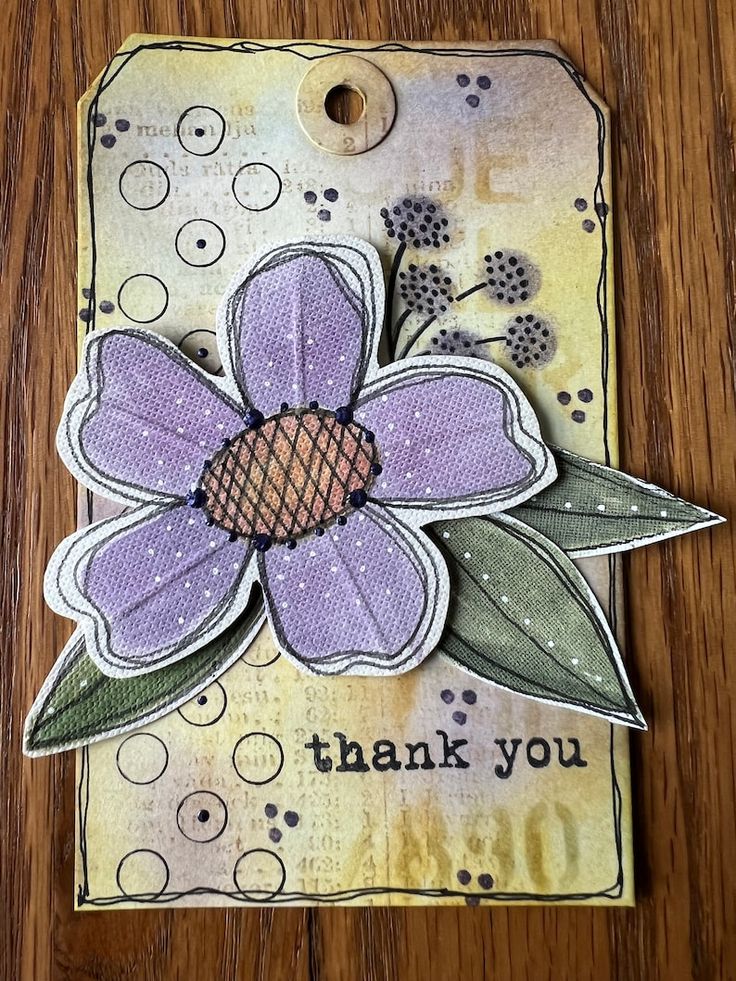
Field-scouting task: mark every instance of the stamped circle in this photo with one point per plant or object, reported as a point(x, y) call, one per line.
point(360, 77)
point(257, 186)
point(206, 708)
point(144, 185)
point(142, 874)
point(202, 816)
point(258, 758)
point(200, 242)
point(143, 298)
point(259, 874)
point(142, 758)
point(201, 347)
point(201, 130)
point(261, 652)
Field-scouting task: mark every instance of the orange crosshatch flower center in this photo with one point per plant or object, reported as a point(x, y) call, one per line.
point(291, 475)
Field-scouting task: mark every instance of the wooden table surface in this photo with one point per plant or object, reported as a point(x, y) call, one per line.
point(668, 71)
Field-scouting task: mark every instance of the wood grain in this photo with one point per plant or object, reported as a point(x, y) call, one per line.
point(667, 70)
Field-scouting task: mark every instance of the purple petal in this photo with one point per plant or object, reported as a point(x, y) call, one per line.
point(301, 326)
point(453, 437)
point(151, 585)
point(367, 597)
point(140, 419)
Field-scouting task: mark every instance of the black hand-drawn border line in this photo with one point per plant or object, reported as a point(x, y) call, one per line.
point(313, 51)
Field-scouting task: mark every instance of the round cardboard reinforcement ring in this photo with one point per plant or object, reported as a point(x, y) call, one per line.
point(351, 72)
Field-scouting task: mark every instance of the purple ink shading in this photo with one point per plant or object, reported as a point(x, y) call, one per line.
point(464, 877)
point(447, 696)
point(270, 810)
point(470, 697)
point(291, 818)
point(459, 717)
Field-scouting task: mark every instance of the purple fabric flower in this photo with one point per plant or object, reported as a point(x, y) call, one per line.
point(306, 467)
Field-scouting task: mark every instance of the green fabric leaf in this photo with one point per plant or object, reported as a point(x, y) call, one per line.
point(523, 617)
point(78, 704)
point(591, 509)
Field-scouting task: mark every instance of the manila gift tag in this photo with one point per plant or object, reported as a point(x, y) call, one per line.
point(325, 362)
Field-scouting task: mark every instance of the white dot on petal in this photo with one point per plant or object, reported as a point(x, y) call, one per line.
point(390, 550)
point(384, 484)
point(187, 585)
point(466, 555)
point(427, 490)
point(213, 544)
point(310, 341)
point(384, 398)
point(391, 427)
point(178, 555)
point(312, 553)
point(160, 462)
point(550, 644)
point(190, 521)
point(208, 412)
point(342, 358)
point(327, 594)
point(445, 534)
point(220, 425)
point(527, 621)
point(504, 599)
point(179, 401)
point(361, 569)
point(83, 683)
point(357, 602)
point(330, 381)
point(634, 507)
point(409, 474)
point(294, 387)
point(179, 429)
point(486, 577)
point(150, 551)
point(168, 527)
point(270, 364)
point(301, 585)
point(180, 620)
point(235, 565)
point(159, 483)
point(157, 578)
point(359, 543)
point(568, 505)
point(388, 591)
point(207, 593)
point(267, 384)
point(187, 467)
point(333, 568)
point(601, 507)
point(663, 513)
point(284, 605)
point(407, 442)
point(215, 572)
point(575, 660)
point(417, 415)
point(145, 432)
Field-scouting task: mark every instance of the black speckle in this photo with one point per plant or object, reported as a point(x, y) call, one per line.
point(484, 82)
point(122, 125)
point(463, 81)
point(588, 225)
point(563, 398)
point(310, 197)
point(331, 194)
point(585, 395)
point(472, 100)
point(106, 306)
point(578, 415)
point(581, 204)
point(324, 215)
point(108, 140)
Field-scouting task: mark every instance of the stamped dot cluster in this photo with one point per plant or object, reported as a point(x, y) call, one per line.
point(104, 306)
point(468, 697)
point(484, 879)
point(482, 84)
point(530, 341)
point(584, 396)
point(111, 130)
point(425, 289)
point(330, 195)
point(455, 342)
point(511, 276)
point(581, 206)
point(202, 815)
point(290, 820)
point(418, 222)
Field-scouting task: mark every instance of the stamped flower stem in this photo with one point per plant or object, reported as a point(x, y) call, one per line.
point(413, 338)
point(490, 340)
point(398, 257)
point(473, 289)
